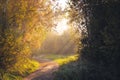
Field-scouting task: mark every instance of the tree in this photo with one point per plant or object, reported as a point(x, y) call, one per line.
point(99, 58)
point(23, 26)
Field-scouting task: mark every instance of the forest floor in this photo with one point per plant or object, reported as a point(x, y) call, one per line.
point(45, 72)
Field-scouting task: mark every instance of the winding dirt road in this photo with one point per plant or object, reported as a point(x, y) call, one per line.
point(44, 72)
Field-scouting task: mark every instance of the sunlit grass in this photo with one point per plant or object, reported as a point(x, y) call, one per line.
point(67, 68)
point(58, 58)
point(20, 70)
point(29, 67)
point(66, 60)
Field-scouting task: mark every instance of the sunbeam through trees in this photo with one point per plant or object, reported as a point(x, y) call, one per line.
point(59, 40)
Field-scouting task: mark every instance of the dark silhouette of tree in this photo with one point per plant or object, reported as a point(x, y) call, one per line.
point(99, 58)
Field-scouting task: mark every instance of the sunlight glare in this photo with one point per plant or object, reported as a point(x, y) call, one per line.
point(61, 27)
point(62, 4)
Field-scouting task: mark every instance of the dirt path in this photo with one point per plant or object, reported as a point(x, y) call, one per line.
point(44, 72)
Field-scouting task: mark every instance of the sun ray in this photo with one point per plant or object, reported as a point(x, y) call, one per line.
point(61, 26)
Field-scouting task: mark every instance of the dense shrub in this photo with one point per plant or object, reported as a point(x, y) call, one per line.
point(100, 56)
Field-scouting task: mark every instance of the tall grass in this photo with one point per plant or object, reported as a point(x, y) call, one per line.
point(19, 70)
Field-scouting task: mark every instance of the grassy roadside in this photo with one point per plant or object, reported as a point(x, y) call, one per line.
point(58, 58)
point(67, 59)
point(19, 71)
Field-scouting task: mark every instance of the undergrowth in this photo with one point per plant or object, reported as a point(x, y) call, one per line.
point(67, 59)
point(19, 70)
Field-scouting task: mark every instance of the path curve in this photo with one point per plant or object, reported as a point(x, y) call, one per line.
point(44, 72)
